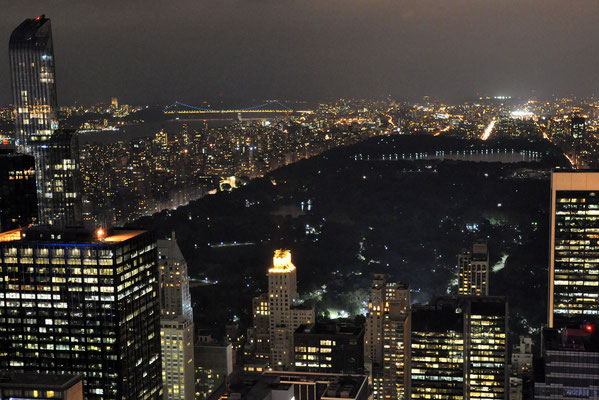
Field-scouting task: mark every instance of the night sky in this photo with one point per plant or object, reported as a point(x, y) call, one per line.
point(155, 52)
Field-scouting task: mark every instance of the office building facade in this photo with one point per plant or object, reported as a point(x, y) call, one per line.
point(459, 348)
point(329, 348)
point(574, 249)
point(74, 301)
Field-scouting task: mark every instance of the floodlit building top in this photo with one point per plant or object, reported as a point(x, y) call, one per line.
point(281, 262)
point(69, 235)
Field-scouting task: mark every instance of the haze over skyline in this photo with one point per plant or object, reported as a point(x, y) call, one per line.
point(240, 50)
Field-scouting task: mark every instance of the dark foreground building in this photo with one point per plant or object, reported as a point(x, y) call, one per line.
point(18, 198)
point(570, 364)
point(329, 347)
point(74, 301)
point(281, 385)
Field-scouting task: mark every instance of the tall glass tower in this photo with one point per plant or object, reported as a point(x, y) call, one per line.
point(31, 56)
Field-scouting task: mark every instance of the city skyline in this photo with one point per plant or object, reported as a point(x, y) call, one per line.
point(240, 51)
point(153, 278)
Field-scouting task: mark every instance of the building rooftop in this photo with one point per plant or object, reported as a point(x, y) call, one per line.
point(347, 387)
point(257, 386)
point(330, 328)
point(48, 234)
point(281, 262)
point(34, 31)
point(444, 313)
point(337, 385)
point(37, 381)
point(584, 338)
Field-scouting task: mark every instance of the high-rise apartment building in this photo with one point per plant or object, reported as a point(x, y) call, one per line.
point(176, 322)
point(459, 348)
point(284, 317)
point(473, 270)
point(522, 356)
point(578, 132)
point(395, 372)
point(261, 328)
point(175, 298)
point(73, 301)
point(31, 54)
point(574, 248)
point(387, 337)
point(18, 199)
point(177, 344)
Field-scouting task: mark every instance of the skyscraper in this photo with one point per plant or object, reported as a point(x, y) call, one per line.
point(77, 302)
point(33, 82)
point(285, 316)
point(574, 248)
point(459, 348)
point(31, 54)
point(473, 270)
point(387, 337)
point(578, 132)
point(175, 298)
point(396, 352)
point(177, 344)
point(176, 322)
point(577, 127)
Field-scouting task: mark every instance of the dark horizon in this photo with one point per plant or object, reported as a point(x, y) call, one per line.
point(240, 51)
